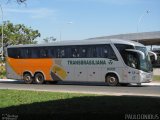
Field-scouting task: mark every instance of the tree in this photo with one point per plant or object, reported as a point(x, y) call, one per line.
point(18, 1)
point(21, 1)
point(49, 39)
point(18, 34)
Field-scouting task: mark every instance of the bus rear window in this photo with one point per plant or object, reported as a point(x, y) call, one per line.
point(13, 52)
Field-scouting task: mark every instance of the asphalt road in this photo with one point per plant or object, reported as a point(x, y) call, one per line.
point(147, 89)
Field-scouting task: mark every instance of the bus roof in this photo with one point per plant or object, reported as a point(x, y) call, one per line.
point(81, 42)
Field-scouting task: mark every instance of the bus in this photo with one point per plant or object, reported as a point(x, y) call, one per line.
point(112, 61)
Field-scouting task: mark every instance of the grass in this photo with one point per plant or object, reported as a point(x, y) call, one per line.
point(156, 77)
point(16, 97)
point(30, 104)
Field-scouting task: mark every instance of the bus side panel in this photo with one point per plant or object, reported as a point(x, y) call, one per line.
point(95, 74)
point(80, 70)
point(70, 73)
point(11, 72)
point(81, 73)
point(16, 67)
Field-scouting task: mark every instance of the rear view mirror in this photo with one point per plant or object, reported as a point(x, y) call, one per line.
point(154, 54)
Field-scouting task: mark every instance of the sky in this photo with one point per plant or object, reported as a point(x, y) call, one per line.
point(82, 19)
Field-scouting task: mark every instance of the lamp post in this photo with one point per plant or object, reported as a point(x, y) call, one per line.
point(61, 31)
point(2, 33)
point(140, 19)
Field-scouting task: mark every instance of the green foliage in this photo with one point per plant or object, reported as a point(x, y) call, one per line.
point(2, 70)
point(18, 34)
point(49, 39)
point(18, 1)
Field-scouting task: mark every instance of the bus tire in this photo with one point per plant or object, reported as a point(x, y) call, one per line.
point(39, 78)
point(27, 78)
point(112, 80)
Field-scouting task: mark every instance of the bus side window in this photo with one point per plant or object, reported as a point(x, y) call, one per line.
point(13, 52)
point(67, 52)
point(75, 52)
point(51, 52)
point(94, 52)
point(109, 53)
point(60, 53)
point(34, 53)
point(83, 51)
point(99, 51)
point(25, 53)
point(18, 54)
point(43, 53)
point(105, 51)
point(91, 52)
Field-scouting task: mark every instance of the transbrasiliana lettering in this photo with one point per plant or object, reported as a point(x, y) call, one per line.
point(86, 62)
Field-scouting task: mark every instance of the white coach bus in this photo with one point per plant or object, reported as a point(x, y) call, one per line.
point(111, 61)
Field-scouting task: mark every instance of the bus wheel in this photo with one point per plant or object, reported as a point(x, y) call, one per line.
point(112, 80)
point(39, 78)
point(27, 78)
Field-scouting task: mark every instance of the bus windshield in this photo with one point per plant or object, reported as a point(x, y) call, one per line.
point(145, 64)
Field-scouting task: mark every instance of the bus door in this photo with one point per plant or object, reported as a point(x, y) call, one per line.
point(133, 63)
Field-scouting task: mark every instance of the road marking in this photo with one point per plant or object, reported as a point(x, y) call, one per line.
point(152, 84)
point(7, 80)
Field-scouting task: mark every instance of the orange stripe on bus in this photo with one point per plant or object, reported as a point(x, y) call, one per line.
point(32, 65)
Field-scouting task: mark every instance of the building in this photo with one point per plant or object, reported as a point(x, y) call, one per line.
point(146, 38)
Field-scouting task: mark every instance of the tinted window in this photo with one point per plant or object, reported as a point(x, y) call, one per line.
point(75, 52)
point(51, 52)
point(25, 53)
point(13, 52)
point(61, 52)
point(96, 51)
point(82, 51)
point(34, 52)
point(91, 52)
point(121, 48)
point(43, 52)
point(109, 53)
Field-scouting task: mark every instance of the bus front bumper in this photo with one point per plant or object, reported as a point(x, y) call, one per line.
point(146, 77)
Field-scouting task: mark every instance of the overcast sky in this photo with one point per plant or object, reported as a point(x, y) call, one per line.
point(81, 19)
